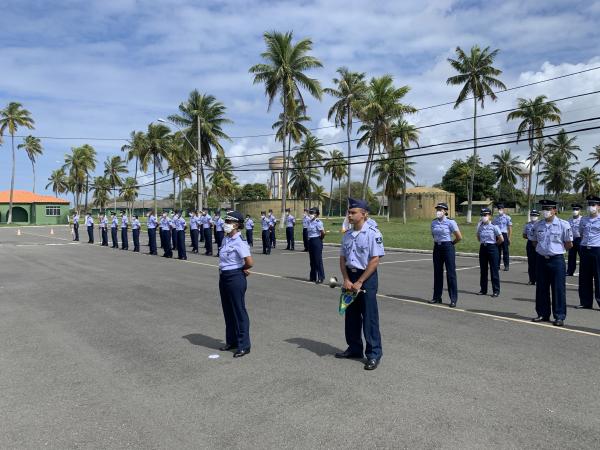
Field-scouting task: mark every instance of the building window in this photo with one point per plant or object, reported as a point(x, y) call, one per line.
point(53, 210)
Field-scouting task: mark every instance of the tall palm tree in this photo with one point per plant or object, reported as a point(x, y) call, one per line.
point(477, 77)
point(158, 142)
point(563, 145)
point(507, 168)
point(101, 187)
point(558, 174)
point(294, 130)
point(534, 114)
point(587, 181)
point(90, 165)
point(12, 117)
point(540, 152)
point(79, 163)
point(350, 90)
point(202, 117)
point(312, 150)
point(134, 149)
point(377, 110)
point(222, 178)
point(595, 156)
point(58, 181)
point(338, 168)
point(319, 194)
point(129, 192)
point(33, 148)
point(113, 168)
point(405, 134)
point(303, 177)
point(181, 161)
point(283, 74)
point(392, 173)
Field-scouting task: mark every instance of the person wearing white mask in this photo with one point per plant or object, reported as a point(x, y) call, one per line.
point(589, 267)
point(265, 225)
point(574, 221)
point(443, 230)
point(489, 237)
point(530, 248)
point(316, 233)
point(504, 222)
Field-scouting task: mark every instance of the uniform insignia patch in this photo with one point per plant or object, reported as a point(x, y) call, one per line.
point(379, 240)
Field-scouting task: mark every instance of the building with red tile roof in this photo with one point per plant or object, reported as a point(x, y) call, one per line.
point(31, 208)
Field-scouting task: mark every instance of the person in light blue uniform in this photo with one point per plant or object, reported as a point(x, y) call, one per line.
point(305, 222)
point(89, 223)
point(552, 236)
point(290, 222)
point(165, 232)
point(135, 232)
point(76, 226)
point(589, 267)
point(219, 233)
point(180, 226)
point(361, 249)
point(574, 221)
point(103, 223)
point(272, 228)
point(265, 234)
point(151, 225)
point(530, 248)
point(372, 223)
point(194, 230)
point(504, 222)
point(235, 262)
point(207, 224)
point(124, 227)
point(249, 225)
point(114, 225)
point(316, 233)
point(173, 233)
point(489, 237)
point(446, 235)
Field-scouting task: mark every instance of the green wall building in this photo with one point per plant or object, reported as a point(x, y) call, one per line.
point(34, 209)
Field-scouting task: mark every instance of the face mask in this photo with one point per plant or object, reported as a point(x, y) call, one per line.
point(547, 214)
point(262, 216)
point(533, 218)
point(592, 209)
point(485, 219)
point(501, 212)
point(575, 212)
point(439, 214)
point(228, 228)
point(312, 216)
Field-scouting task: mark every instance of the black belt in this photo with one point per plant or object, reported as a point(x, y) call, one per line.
point(443, 243)
point(354, 270)
point(486, 245)
point(228, 271)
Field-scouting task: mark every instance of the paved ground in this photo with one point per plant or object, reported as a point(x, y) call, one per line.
point(103, 348)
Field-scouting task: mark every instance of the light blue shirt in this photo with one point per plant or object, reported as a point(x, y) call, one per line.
point(314, 228)
point(151, 222)
point(193, 222)
point(372, 223)
point(528, 230)
point(179, 223)
point(164, 223)
point(589, 228)
point(171, 221)
point(249, 224)
point(89, 221)
point(442, 230)
point(206, 221)
point(551, 236)
point(574, 222)
point(114, 222)
point(232, 252)
point(135, 224)
point(305, 221)
point(264, 221)
point(488, 232)
point(124, 222)
point(358, 247)
point(219, 223)
point(502, 221)
point(103, 222)
point(76, 219)
point(290, 221)
point(272, 220)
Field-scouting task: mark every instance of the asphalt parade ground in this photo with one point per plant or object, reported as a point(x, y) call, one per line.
point(105, 348)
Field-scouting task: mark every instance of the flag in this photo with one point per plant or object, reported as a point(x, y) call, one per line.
point(346, 299)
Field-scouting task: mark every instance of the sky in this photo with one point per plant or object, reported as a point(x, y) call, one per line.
point(103, 68)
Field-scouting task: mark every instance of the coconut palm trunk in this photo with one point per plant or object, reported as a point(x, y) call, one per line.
point(284, 166)
point(348, 132)
point(33, 169)
point(340, 192)
point(199, 169)
point(472, 181)
point(154, 182)
point(330, 196)
point(12, 179)
point(530, 171)
point(87, 189)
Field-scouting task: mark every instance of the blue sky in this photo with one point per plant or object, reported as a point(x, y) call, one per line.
point(105, 68)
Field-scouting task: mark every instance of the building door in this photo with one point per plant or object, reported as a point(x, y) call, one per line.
point(19, 214)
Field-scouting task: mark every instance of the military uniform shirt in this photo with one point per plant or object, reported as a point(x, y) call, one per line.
point(89, 221)
point(272, 220)
point(358, 247)
point(305, 221)
point(124, 222)
point(314, 228)
point(114, 223)
point(372, 223)
point(503, 222)
point(219, 224)
point(249, 224)
point(151, 222)
point(290, 221)
point(103, 222)
point(135, 224)
point(488, 233)
point(264, 223)
point(180, 224)
point(528, 230)
point(193, 222)
point(164, 223)
point(206, 221)
point(76, 218)
point(442, 230)
point(575, 222)
point(232, 252)
point(551, 237)
point(171, 222)
point(589, 228)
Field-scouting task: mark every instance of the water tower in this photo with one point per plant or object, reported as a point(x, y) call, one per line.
point(524, 174)
point(276, 181)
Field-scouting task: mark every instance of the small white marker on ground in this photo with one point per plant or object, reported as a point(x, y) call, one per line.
point(213, 356)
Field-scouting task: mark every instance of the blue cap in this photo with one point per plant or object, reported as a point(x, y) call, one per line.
point(485, 211)
point(314, 210)
point(442, 205)
point(234, 216)
point(358, 203)
point(548, 203)
point(575, 206)
point(592, 200)
point(499, 205)
point(534, 213)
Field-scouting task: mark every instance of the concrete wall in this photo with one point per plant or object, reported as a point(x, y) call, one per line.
point(35, 214)
point(40, 217)
point(422, 205)
point(254, 207)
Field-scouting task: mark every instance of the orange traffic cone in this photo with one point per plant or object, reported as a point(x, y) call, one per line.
point(51, 231)
point(18, 232)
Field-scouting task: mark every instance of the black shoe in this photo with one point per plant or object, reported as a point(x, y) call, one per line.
point(531, 283)
point(506, 269)
point(347, 355)
point(496, 294)
point(583, 307)
point(540, 319)
point(568, 274)
point(228, 347)
point(319, 282)
point(452, 304)
point(559, 323)
point(434, 301)
point(241, 353)
point(371, 364)
point(482, 293)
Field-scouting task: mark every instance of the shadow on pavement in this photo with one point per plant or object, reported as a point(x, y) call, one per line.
point(318, 348)
point(203, 341)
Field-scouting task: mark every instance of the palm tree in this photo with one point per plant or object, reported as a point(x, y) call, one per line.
point(562, 145)
point(534, 114)
point(79, 163)
point(181, 159)
point(58, 181)
point(477, 77)
point(557, 174)
point(507, 168)
point(33, 148)
point(113, 168)
point(377, 111)
point(202, 117)
point(338, 168)
point(222, 178)
point(595, 156)
point(12, 117)
point(303, 177)
point(158, 143)
point(587, 181)
point(90, 165)
point(129, 192)
point(283, 74)
point(540, 152)
point(135, 148)
point(405, 134)
point(295, 130)
point(312, 150)
point(393, 172)
point(350, 90)
point(319, 194)
point(101, 187)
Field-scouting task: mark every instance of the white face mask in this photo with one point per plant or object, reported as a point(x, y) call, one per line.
point(262, 215)
point(485, 219)
point(547, 214)
point(501, 212)
point(592, 209)
point(312, 216)
point(533, 218)
point(575, 212)
point(228, 228)
point(439, 214)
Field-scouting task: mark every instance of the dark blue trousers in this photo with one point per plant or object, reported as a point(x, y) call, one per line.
point(104, 237)
point(194, 237)
point(207, 241)
point(266, 242)
point(201, 233)
point(249, 237)
point(219, 235)
point(531, 259)
point(503, 251)
point(161, 235)
point(289, 237)
point(152, 240)
point(573, 252)
point(272, 236)
point(76, 231)
point(444, 254)
point(174, 238)
point(166, 239)
point(315, 253)
point(363, 315)
point(489, 257)
point(136, 239)
point(181, 253)
point(232, 287)
point(305, 238)
point(124, 239)
point(550, 274)
point(589, 276)
point(113, 235)
point(90, 231)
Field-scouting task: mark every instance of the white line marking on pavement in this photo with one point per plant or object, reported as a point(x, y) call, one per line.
point(44, 236)
point(404, 260)
point(300, 252)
